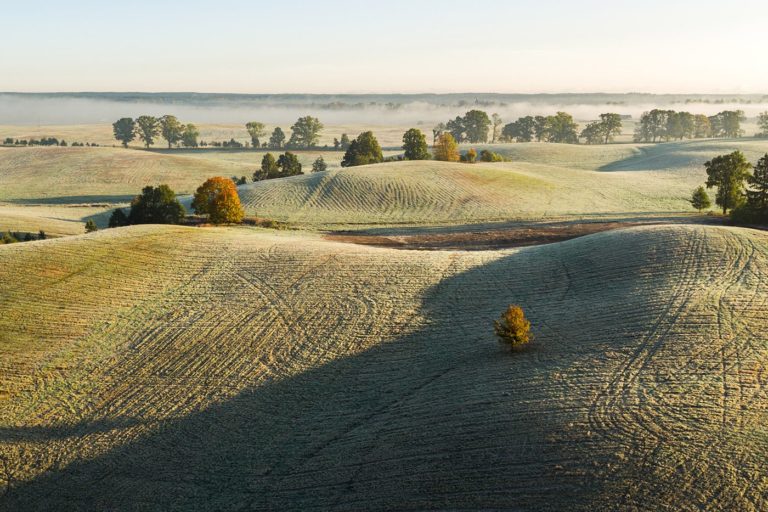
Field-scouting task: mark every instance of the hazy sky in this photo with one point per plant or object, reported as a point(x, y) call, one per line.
point(255, 46)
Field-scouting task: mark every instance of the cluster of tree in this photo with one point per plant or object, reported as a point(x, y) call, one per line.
point(286, 165)
point(217, 198)
point(664, 125)
point(305, 134)
point(45, 141)
point(473, 127)
point(343, 143)
point(149, 128)
point(560, 128)
point(602, 131)
point(741, 187)
point(12, 238)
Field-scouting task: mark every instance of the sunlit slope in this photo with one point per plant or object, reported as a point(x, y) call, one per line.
point(99, 175)
point(184, 368)
point(440, 192)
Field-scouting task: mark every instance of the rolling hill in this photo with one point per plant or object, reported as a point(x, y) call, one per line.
point(199, 369)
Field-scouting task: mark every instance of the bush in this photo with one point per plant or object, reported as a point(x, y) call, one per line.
point(90, 227)
point(512, 328)
point(490, 156)
point(118, 219)
point(156, 205)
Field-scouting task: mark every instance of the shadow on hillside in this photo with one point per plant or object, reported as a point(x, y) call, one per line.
point(677, 154)
point(439, 418)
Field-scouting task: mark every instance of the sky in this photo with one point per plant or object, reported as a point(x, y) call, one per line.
point(408, 46)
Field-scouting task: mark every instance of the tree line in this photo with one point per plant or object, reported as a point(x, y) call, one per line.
point(45, 141)
point(665, 125)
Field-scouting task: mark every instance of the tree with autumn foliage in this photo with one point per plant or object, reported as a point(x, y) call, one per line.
point(218, 199)
point(446, 149)
point(512, 328)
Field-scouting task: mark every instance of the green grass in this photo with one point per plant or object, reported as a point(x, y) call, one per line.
point(188, 368)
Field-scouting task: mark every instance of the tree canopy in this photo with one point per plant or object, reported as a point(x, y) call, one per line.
point(255, 130)
point(124, 130)
point(415, 145)
point(700, 199)
point(148, 128)
point(289, 165)
point(171, 129)
point(218, 199)
point(305, 132)
point(319, 165)
point(156, 205)
point(446, 149)
point(363, 150)
point(277, 139)
point(728, 173)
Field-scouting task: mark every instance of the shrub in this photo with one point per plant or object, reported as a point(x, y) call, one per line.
point(490, 156)
point(90, 226)
point(512, 328)
point(8, 238)
point(319, 165)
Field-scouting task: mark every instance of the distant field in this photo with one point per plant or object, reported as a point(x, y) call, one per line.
point(192, 368)
point(542, 181)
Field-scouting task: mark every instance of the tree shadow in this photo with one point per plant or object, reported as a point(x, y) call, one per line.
point(438, 418)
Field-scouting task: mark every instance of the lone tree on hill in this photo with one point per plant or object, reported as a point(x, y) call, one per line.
point(218, 199)
point(415, 145)
point(728, 173)
point(512, 328)
point(305, 132)
point(156, 205)
point(148, 128)
point(363, 150)
point(171, 129)
point(255, 130)
point(124, 130)
point(446, 149)
point(700, 199)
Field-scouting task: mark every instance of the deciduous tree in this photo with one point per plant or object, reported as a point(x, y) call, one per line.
point(319, 165)
point(364, 150)
point(446, 149)
point(218, 199)
point(305, 132)
point(728, 173)
point(415, 145)
point(171, 129)
point(124, 130)
point(156, 205)
point(289, 165)
point(148, 128)
point(256, 130)
point(277, 139)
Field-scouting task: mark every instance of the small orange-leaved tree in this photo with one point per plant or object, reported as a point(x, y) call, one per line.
point(218, 199)
point(512, 328)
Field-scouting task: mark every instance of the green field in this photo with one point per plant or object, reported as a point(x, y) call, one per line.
point(188, 368)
